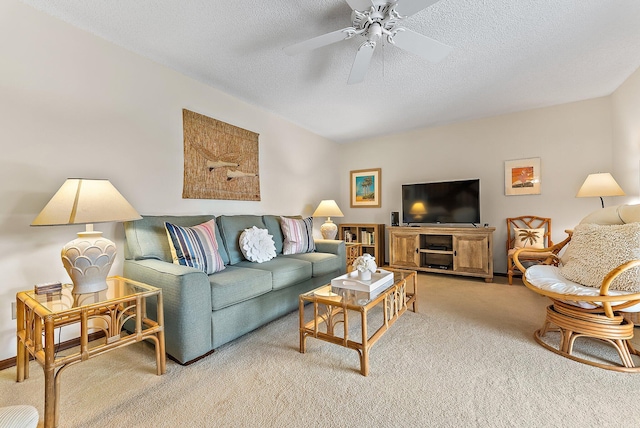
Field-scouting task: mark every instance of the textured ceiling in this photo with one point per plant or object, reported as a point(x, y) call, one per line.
point(508, 55)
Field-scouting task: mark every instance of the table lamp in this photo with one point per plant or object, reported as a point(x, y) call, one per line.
point(328, 208)
point(88, 258)
point(599, 185)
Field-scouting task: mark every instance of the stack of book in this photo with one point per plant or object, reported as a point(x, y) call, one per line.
point(367, 238)
point(48, 287)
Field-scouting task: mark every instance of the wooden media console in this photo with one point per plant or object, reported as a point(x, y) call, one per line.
point(466, 251)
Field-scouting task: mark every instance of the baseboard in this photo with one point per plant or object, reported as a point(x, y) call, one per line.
point(191, 361)
point(10, 362)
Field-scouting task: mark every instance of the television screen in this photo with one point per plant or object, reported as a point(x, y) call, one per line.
point(441, 202)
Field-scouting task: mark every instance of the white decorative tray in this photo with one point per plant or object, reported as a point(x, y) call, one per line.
point(350, 280)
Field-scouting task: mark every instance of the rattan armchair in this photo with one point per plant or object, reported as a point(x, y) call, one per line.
point(584, 312)
point(530, 228)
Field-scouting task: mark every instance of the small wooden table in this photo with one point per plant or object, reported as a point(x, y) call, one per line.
point(38, 315)
point(330, 309)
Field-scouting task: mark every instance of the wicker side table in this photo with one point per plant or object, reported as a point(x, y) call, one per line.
point(106, 311)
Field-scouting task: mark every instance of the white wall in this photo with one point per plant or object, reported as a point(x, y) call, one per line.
point(74, 105)
point(572, 140)
point(625, 106)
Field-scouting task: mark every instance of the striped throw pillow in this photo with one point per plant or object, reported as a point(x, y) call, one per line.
point(195, 246)
point(298, 235)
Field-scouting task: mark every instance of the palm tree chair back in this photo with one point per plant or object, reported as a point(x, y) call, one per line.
point(527, 232)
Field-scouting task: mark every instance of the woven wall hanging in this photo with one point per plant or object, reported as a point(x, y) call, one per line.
point(220, 160)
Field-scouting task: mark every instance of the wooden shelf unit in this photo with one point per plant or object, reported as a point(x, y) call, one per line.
point(373, 242)
point(462, 251)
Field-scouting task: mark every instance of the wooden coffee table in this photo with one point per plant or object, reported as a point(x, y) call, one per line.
point(331, 307)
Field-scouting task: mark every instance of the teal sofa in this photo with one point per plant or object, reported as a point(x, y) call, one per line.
point(203, 312)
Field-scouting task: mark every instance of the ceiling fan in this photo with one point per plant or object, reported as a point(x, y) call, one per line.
point(374, 19)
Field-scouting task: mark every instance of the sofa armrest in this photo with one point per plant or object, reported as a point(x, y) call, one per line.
point(333, 246)
point(186, 294)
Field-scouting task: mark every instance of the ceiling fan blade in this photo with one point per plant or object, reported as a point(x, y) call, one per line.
point(320, 41)
point(361, 63)
point(409, 7)
point(360, 4)
point(426, 47)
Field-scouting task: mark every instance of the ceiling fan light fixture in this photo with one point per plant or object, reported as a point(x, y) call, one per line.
point(372, 19)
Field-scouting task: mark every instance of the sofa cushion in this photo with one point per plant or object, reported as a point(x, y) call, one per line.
point(321, 263)
point(285, 272)
point(298, 235)
point(272, 224)
point(147, 237)
point(237, 284)
point(231, 227)
point(595, 250)
point(195, 246)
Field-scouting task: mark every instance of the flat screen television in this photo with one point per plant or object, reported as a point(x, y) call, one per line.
point(452, 202)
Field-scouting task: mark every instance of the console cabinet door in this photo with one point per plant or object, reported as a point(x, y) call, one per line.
point(404, 249)
point(471, 254)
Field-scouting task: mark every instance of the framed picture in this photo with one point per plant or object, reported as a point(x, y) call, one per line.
point(365, 188)
point(522, 177)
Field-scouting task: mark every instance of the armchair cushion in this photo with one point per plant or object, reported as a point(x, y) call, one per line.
point(528, 238)
point(20, 416)
point(595, 250)
point(549, 278)
point(531, 254)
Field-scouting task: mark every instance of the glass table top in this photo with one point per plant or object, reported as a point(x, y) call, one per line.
point(117, 287)
point(354, 297)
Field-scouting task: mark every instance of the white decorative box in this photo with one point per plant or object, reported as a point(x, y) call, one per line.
point(350, 281)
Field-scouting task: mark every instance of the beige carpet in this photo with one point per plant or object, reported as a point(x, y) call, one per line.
point(466, 359)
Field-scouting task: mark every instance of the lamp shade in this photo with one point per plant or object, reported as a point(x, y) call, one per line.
point(328, 208)
point(85, 201)
point(88, 258)
point(600, 184)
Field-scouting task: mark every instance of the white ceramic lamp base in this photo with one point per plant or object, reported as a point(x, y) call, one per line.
point(88, 260)
point(329, 230)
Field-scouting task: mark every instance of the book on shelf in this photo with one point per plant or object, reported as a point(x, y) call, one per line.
point(367, 238)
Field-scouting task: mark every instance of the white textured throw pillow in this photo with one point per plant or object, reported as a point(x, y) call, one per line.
point(528, 238)
point(257, 245)
point(595, 250)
